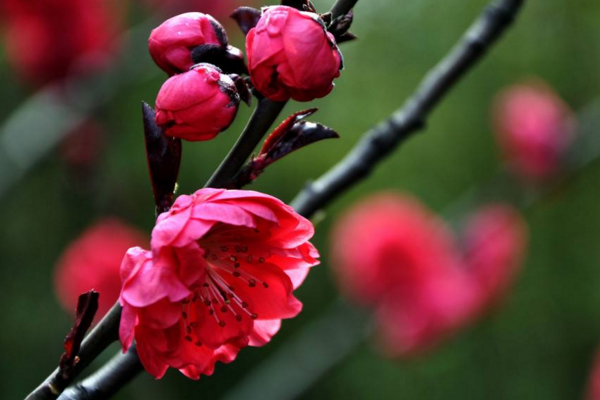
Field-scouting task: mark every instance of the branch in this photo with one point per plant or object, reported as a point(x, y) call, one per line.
point(121, 369)
point(385, 137)
point(263, 117)
point(105, 333)
point(342, 7)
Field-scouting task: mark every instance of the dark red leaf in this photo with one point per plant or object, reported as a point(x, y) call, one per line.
point(163, 154)
point(301, 134)
point(87, 305)
point(246, 18)
point(284, 127)
point(242, 88)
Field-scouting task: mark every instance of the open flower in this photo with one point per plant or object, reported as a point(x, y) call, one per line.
point(92, 261)
point(198, 104)
point(534, 128)
point(220, 277)
point(392, 255)
point(291, 55)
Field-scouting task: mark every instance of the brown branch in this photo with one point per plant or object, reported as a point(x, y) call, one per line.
point(385, 137)
point(105, 333)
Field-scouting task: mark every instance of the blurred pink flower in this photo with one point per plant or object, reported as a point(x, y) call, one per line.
point(291, 55)
point(534, 128)
point(221, 276)
point(392, 255)
point(494, 243)
point(197, 104)
point(46, 40)
point(593, 390)
point(92, 261)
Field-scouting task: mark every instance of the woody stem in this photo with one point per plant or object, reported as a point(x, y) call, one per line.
point(105, 333)
point(378, 143)
point(263, 117)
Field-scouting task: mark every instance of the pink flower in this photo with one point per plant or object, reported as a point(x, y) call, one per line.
point(92, 261)
point(394, 256)
point(46, 40)
point(534, 128)
point(171, 44)
point(291, 55)
point(220, 277)
point(198, 104)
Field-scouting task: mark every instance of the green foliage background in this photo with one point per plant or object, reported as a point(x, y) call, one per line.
point(539, 345)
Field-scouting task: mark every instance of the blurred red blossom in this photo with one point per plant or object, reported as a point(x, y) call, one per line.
point(46, 40)
point(593, 390)
point(291, 55)
point(534, 128)
point(220, 277)
point(82, 147)
point(220, 9)
point(391, 254)
point(92, 261)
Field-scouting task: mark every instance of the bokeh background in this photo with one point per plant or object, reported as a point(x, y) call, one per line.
point(539, 345)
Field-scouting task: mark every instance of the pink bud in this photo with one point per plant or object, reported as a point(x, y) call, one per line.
point(291, 55)
point(198, 104)
point(171, 44)
point(534, 129)
point(495, 239)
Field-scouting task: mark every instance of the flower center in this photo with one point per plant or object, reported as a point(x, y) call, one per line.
point(227, 256)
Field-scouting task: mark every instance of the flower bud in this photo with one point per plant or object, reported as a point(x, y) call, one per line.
point(534, 129)
point(171, 44)
point(291, 55)
point(198, 104)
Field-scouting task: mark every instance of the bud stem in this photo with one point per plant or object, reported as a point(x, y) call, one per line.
point(263, 117)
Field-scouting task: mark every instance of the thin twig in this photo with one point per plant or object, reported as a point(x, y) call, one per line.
point(105, 333)
point(119, 371)
point(385, 137)
point(263, 117)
